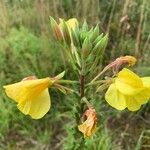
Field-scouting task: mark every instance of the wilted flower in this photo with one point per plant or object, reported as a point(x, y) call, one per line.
point(130, 60)
point(115, 65)
point(31, 95)
point(88, 127)
point(128, 90)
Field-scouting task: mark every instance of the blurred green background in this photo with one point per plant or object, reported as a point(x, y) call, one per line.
point(27, 48)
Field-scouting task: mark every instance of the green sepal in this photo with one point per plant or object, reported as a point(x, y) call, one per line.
point(59, 76)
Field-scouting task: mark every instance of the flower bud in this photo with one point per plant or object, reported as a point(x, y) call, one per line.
point(100, 46)
point(72, 23)
point(95, 33)
point(56, 30)
point(66, 32)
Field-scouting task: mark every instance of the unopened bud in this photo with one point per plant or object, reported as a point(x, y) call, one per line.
point(86, 48)
point(72, 23)
point(100, 46)
point(56, 30)
point(95, 33)
point(65, 32)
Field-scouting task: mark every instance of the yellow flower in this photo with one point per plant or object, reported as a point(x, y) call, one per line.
point(128, 90)
point(89, 126)
point(31, 95)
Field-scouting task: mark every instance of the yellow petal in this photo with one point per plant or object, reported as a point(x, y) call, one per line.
point(28, 88)
point(128, 82)
point(115, 98)
point(132, 103)
point(146, 81)
point(14, 90)
point(37, 106)
point(72, 23)
point(142, 97)
point(87, 130)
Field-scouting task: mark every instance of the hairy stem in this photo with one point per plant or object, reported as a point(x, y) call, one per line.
point(82, 78)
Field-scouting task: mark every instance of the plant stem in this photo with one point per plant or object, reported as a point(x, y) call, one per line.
point(79, 142)
point(82, 82)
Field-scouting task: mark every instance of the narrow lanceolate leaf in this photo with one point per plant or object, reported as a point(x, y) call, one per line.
point(77, 57)
point(95, 33)
point(75, 37)
point(57, 34)
point(85, 26)
point(98, 51)
point(98, 39)
point(100, 46)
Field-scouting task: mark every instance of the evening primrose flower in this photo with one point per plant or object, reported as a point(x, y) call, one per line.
point(31, 95)
point(88, 127)
point(128, 90)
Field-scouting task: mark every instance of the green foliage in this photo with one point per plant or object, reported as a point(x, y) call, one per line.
point(26, 48)
point(23, 42)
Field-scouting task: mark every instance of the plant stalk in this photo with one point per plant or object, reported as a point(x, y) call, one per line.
point(82, 84)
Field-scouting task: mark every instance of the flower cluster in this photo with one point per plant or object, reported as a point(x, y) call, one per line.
point(84, 48)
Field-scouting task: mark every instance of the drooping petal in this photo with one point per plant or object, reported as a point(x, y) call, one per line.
point(115, 98)
point(37, 106)
point(88, 127)
point(128, 83)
